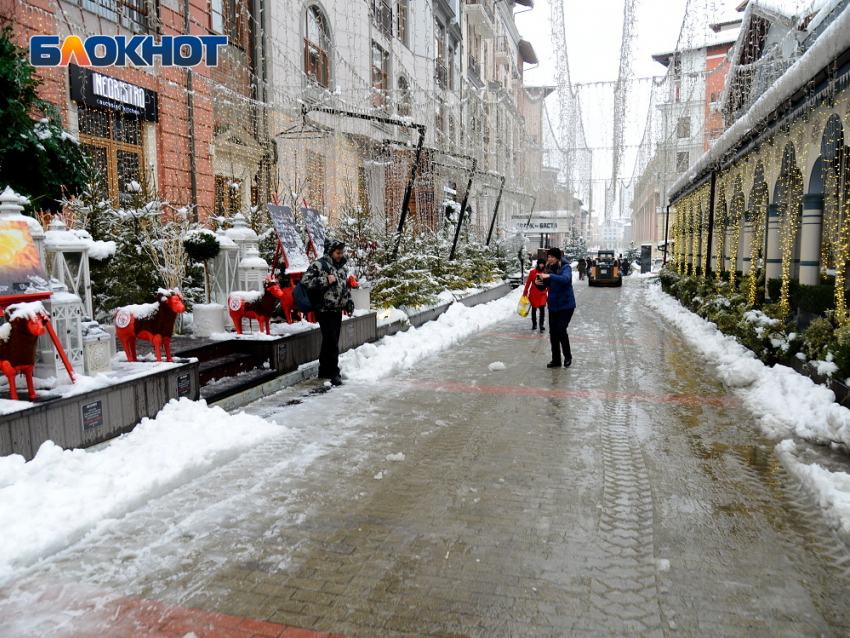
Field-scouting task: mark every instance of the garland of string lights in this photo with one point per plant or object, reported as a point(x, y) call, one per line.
point(328, 168)
point(736, 219)
point(739, 197)
point(758, 220)
point(720, 224)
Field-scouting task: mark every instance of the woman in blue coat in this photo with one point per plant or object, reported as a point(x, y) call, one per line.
point(562, 305)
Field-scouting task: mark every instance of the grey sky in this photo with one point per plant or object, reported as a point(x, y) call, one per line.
point(594, 30)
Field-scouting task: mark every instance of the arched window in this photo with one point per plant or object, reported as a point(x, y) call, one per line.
point(317, 46)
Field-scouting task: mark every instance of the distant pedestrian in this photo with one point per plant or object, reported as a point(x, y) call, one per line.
point(329, 274)
point(536, 295)
point(562, 305)
point(582, 268)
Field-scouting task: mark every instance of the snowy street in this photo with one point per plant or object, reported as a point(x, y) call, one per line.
point(455, 486)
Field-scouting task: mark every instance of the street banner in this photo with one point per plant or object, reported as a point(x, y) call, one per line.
point(290, 240)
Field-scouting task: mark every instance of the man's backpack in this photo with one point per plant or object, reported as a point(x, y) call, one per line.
point(307, 299)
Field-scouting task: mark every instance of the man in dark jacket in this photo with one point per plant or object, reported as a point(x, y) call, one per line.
point(561, 303)
point(328, 274)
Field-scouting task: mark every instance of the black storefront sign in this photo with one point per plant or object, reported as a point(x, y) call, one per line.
point(184, 385)
point(96, 89)
point(92, 415)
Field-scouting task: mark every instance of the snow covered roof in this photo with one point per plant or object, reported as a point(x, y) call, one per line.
point(834, 40)
point(722, 28)
point(788, 8)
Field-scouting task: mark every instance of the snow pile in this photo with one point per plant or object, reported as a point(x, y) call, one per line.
point(402, 351)
point(100, 250)
point(831, 491)
point(74, 238)
point(51, 502)
point(389, 315)
point(783, 402)
point(497, 365)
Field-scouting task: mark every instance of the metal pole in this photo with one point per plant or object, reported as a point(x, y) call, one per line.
point(496, 210)
point(408, 193)
point(190, 117)
point(666, 225)
point(463, 208)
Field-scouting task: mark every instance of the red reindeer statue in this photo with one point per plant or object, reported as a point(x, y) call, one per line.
point(260, 305)
point(26, 323)
point(152, 322)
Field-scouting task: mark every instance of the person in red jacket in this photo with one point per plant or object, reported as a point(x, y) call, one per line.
point(537, 296)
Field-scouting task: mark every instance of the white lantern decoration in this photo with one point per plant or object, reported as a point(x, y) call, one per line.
point(252, 270)
point(66, 315)
point(69, 257)
point(225, 270)
point(243, 235)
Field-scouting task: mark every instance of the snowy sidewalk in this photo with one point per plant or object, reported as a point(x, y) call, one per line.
point(444, 494)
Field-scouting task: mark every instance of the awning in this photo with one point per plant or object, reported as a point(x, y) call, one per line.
point(526, 3)
point(526, 52)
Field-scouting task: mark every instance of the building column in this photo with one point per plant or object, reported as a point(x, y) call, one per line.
point(810, 239)
point(727, 247)
point(773, 250)
point(744, 256)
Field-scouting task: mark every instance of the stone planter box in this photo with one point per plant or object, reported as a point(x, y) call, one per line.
point(295, 350)
point(86, 419)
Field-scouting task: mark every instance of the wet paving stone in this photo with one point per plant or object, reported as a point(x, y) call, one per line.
point(629, 495)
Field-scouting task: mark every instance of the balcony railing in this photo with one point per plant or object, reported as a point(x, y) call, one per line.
point(487, 5)
point(441, 75)
point(473, 66)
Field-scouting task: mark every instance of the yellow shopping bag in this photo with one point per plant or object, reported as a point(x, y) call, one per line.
point(523, 306)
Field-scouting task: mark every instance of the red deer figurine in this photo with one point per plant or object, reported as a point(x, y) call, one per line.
point(26, 323)
point(152, 322)
point(260, 305)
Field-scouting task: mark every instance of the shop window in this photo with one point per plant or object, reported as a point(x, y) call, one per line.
point(113, 142)
point(317, 44)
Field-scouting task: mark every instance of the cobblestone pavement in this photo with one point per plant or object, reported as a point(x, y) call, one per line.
point(628, 495)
